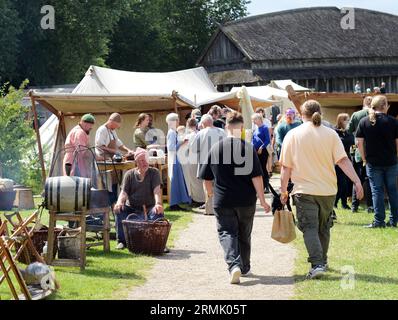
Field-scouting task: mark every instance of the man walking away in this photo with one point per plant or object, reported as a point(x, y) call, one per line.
point(377, 137)
point(234, 167)
point(308, 157)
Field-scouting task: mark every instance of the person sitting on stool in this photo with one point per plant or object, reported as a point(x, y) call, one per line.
point(140, 194)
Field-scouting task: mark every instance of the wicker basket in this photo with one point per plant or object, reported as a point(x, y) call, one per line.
point(147, 237)
point(39, 237)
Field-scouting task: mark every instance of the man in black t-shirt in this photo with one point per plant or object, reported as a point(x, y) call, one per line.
point(377, 137)
point(234, 167)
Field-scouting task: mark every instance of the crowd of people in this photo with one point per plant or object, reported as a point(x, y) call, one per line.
point(216, 172)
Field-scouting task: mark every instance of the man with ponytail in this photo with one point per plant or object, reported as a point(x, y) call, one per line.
point(377, 137)
point(309, 155)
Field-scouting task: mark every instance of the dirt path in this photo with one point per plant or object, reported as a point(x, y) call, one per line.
point(195, 268)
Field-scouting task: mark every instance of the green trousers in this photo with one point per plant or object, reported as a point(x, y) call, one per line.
point(314, 215)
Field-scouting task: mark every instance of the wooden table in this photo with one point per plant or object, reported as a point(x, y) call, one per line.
point(161, 165)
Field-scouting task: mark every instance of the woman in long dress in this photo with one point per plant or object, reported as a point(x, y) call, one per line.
point(178, 192)
point(189, 164)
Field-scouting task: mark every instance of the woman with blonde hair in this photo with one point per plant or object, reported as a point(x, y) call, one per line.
point(377, 137)
point(348, 140)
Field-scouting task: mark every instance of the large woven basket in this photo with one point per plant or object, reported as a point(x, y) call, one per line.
point(147, 237)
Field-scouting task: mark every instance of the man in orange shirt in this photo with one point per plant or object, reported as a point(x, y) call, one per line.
point(77, 157)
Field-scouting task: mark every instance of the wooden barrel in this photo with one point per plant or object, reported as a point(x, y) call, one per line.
point(67, 194)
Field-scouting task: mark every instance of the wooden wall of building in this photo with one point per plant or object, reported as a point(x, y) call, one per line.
point(348, 84)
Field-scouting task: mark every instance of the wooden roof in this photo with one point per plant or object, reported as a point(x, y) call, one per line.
point(313, 33)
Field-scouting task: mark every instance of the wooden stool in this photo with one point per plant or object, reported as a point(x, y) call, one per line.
point(79, 217)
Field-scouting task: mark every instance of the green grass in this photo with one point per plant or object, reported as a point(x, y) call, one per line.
point(372, 253)
point(107, 275)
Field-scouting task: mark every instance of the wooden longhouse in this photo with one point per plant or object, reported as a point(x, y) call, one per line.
point(308, 46)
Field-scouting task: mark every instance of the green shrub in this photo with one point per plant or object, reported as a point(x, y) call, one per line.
point(18, 159)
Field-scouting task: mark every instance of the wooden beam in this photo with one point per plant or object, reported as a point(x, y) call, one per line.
point(174, 94)
point(41, 158)
point(45, 104)
point(297, 99)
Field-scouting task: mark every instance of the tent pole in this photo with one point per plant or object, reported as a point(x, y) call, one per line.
point(36, 122)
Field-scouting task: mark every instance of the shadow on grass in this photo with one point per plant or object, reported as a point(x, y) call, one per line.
point(111, 274)
point(102, 273)
point(125, 254)
point(268, 280)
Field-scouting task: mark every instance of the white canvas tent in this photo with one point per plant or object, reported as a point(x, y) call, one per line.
point(282, 84)
point(275, 93)
point(103, 91)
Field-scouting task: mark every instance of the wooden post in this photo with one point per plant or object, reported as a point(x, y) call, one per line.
point(41, 158)
point(174, 95)
point(295, 98)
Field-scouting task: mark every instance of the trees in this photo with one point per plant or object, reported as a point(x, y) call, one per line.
point(140, 35)
point(80, 38)
point(165, 35)
point(10, 28)
point(17, 135)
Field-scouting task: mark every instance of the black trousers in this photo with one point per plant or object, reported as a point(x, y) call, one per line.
point(342, 187)
point(263, 157)
point(234, 226)
point(361, 172)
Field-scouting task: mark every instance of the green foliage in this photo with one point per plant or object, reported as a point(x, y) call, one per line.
point(80, 38)
point(140, 35)
point(165, 35)
point(10, 28)
point(17, 136)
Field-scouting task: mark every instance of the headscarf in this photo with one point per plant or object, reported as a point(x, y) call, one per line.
point(140, 153)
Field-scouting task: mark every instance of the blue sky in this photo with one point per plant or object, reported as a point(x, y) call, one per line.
point(265, 6)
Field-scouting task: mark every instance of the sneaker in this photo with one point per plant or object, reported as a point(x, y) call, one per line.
point(235, 275)
point(392, 225)
point(120, 246)
point(374, 225)
point(346, 207)
point(354, 209)
point(247, 274)
point(202, 207)
point(316, 272)
point(195, 204)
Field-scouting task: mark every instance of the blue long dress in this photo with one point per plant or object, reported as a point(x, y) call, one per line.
point(179, 192)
